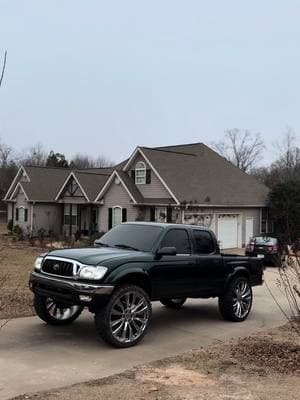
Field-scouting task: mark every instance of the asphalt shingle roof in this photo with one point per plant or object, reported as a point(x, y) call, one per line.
point(44, 182)
point(195, 173)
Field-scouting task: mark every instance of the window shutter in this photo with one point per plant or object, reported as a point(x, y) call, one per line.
point(169, 214)
point(124, 214)
point(133, 175)
point(148, 176)
point(109, 218)
point(17, 214)
point(26, 215)
point(152, 214)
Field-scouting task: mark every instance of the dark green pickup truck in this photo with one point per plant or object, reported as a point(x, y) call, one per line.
point(134, 264)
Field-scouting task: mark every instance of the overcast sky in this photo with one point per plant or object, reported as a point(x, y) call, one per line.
point(101, 77)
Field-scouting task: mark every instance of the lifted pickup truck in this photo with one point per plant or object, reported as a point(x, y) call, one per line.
point(134, 264)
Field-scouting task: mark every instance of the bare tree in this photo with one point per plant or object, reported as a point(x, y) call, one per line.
point(243, 149)
point(35, 156)
point(5, 154)
point(288, 163)
point(3, 68)
point(84, 161)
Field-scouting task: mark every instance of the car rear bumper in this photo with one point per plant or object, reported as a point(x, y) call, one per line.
point(267, 257)
point(67, 290)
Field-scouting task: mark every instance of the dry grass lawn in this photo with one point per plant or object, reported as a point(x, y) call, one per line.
point(16, 263)
point(262, 367)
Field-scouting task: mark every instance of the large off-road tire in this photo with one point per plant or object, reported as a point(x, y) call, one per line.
point(55, 313)
point(124, 320)
point(236, 302)
point(176, 304)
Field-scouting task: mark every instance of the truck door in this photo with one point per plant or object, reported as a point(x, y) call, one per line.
point(173, 275)
point(210, 272)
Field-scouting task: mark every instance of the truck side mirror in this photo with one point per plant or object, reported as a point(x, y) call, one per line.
point(166, 251)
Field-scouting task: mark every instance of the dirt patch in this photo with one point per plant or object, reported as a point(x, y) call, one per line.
point(16, 263)
point(274, 356)
point(231, 371)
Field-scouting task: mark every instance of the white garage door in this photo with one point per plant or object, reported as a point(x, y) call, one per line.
point(228, 231)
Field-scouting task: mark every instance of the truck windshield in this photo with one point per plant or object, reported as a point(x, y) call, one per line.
point(137, 237)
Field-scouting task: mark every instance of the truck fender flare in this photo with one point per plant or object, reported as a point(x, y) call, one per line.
point(137, 275)
point(238, 271)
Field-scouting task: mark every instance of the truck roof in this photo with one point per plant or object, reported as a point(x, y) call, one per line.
point(167, 225)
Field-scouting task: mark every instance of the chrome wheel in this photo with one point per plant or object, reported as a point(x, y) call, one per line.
point(129, 316)
point(60, 311)
point(242, 299)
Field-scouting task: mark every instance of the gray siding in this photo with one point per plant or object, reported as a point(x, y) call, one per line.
point(48, 217)
point(153, 190)
point(116, 195)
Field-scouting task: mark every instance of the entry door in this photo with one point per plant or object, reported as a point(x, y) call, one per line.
point(249, 229)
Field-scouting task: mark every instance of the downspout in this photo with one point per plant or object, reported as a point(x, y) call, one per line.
point(31, 217)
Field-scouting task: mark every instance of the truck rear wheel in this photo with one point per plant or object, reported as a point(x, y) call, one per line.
point(124, 320)
point(236, 302)
point(173, 303)
point(54, 312)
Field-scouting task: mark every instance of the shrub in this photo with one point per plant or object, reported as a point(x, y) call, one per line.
point(18, 232)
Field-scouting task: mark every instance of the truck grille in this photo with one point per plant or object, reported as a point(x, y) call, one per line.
point(57, 267)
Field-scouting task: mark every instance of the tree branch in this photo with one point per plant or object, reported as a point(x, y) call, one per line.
point(3, 67)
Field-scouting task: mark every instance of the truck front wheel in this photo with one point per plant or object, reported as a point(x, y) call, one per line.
point(123, 321)
point(54, 312)
point(236, 302)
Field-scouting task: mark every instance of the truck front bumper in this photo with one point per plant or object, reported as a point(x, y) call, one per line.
point(69, 291)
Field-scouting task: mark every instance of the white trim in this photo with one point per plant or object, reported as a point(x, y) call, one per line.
point(66, 181)
point(108, 182)
point(154, 170)
point(15, 179)
point(131, 158)
point(19, 185)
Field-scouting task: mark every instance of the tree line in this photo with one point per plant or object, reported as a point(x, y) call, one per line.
point(282, 176)
point(11, 160)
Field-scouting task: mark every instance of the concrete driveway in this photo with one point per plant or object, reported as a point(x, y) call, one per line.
point(35, 357)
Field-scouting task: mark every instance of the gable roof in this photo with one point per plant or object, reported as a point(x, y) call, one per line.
point(127, 183)
point(91, 182)
point(43, 183)
point(195, 173)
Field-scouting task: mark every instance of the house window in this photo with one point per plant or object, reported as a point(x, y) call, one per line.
point(70, 214)
point(21, 214)
point(116, 216)
point(161, 214)
point(140, 173)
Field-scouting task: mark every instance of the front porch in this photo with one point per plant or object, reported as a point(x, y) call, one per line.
point(80, 219)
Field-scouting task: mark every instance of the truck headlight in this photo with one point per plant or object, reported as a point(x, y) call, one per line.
point(38, 263)
point(90, 272)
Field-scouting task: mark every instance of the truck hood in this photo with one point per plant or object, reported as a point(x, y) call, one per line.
point(93, 256)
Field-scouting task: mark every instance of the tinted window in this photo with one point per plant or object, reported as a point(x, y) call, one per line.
point(203, 242)
point(141, 237)
point(177, 238)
